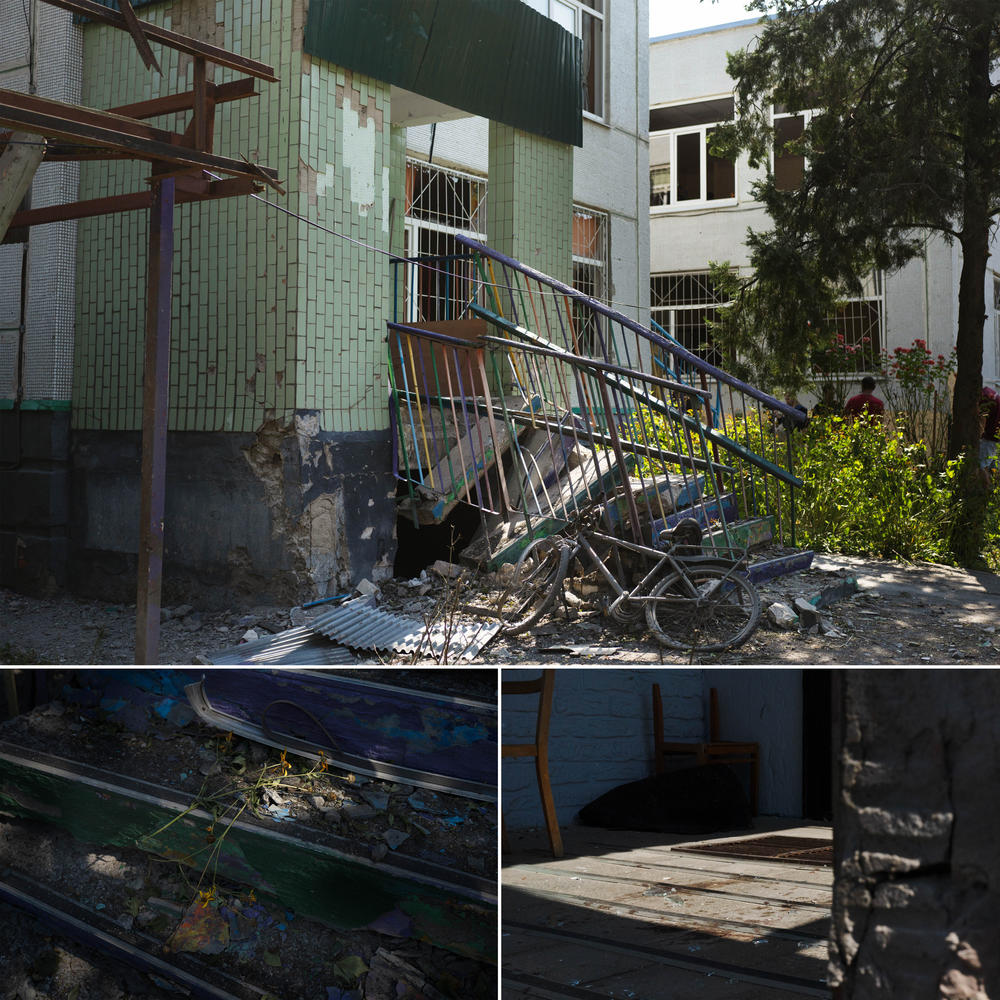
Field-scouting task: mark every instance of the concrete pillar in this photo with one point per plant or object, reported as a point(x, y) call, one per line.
point(531, 200)
point(18, 164)
point(917, 886)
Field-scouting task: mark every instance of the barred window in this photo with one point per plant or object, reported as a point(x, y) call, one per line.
point(684, 305)
point(861, 322)
point(440, 204)
point(590, 276)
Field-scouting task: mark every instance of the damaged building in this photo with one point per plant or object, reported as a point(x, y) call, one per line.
point(280, 476)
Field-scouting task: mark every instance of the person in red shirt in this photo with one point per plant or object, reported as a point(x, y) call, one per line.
point(864, 401)
point(989, 415)
point(990, 407)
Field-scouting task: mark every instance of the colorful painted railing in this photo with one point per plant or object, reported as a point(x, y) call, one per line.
point(570, 401)
point(518, 427)
point(750, 426)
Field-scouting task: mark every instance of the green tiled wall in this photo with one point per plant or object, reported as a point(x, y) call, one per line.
point(270, 313)
point(531, 200)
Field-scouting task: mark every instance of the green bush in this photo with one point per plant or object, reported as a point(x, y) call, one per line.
point(867, 492)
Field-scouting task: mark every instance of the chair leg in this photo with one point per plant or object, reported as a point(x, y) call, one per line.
point(548, 805)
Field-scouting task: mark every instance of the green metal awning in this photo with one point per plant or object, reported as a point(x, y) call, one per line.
point(495, 58)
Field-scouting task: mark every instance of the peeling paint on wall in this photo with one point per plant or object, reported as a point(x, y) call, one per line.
point(359, 157)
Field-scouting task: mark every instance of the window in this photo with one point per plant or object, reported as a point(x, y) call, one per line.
point(861, 323)
point(682, 171)
point(789, 167)
point(590, 276)
point(439, 204)
point(684, 305)
point(585, 19)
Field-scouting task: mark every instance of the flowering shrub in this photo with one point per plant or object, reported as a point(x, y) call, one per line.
point(833, 368)
point(917, 388)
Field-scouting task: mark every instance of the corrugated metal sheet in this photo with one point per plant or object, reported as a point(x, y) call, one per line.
point(495, 58)
point(360, 625)
point(296, 646)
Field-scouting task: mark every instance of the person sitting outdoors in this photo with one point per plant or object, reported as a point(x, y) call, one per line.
point(865, 401)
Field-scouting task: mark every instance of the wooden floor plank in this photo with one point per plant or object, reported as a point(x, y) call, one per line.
point(634, 919)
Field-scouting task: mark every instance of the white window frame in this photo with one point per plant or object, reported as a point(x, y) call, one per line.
point(702, 201)
point(563, 12)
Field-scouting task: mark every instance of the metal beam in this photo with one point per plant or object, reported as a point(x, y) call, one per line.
point(188, 189)
point(68, 121)
point(134, 26)
point(155, 399)
point(172, 39)
point(220, 93)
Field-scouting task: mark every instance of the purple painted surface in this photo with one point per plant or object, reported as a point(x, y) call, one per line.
point(413, 729)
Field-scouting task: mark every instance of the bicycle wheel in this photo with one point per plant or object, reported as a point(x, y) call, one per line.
point(722, 616)
point(537, 578)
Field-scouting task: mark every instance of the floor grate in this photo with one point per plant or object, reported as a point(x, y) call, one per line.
point(799, 850)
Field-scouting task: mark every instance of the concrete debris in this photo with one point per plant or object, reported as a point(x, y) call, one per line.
point(809, 617)
point(447, 570)
point(781, 615)
point(366, 588)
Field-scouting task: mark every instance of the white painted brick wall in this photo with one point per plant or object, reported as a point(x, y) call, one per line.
point(766, 706)
point(601, 734)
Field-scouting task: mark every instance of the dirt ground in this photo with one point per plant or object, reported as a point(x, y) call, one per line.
point(900, 614)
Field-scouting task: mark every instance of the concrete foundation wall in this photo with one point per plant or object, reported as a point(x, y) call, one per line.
point(34, 499)
point(917, 888)
point(282, 516)
point(601, 734)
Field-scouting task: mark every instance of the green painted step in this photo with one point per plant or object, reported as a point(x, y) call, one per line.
point(318, 878)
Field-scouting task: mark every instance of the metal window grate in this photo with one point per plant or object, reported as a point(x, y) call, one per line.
point(684, 305)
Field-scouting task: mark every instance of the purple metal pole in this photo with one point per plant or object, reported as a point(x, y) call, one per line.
point(155, 397)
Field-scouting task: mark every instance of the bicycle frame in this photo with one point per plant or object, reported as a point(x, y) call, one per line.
point(641, 590)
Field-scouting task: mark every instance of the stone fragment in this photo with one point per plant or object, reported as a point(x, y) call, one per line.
point(447, 570)
point(781, 615)
point(366, 588)
point(808, 615)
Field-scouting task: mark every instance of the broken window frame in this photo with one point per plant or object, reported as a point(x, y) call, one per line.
point(586, 19)
point(664, 195)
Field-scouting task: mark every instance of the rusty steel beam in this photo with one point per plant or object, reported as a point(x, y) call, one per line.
point(189, 189)
point(66, 121)
point(13, 101)
point(170, 104)
point(155, 399)
point(134, 28)
point(172, 39)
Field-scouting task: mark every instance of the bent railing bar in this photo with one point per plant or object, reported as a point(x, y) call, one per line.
point(600, 307)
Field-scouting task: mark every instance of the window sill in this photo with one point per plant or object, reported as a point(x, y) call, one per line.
point(693, 206)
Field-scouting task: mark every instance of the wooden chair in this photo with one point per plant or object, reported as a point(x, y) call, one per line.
point(542, 686)
point(712, 751)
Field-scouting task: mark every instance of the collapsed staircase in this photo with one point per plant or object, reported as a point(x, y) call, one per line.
point(537, 400)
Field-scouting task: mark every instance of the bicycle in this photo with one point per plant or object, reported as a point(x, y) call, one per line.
point(692, 599)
